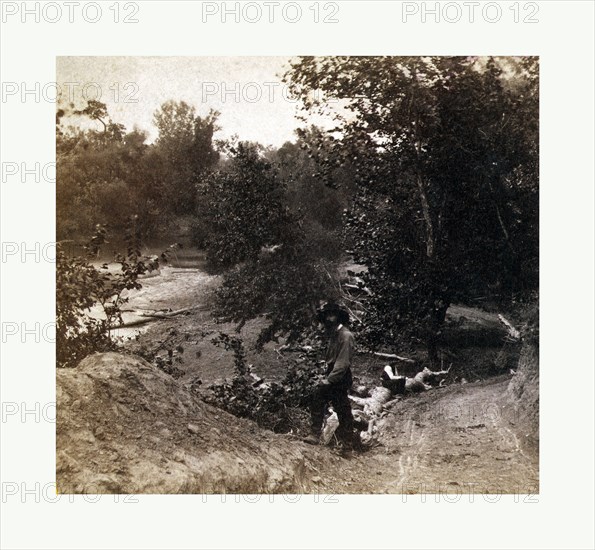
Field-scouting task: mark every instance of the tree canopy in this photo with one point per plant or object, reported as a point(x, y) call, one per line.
point(447, 203)
point(428, 178)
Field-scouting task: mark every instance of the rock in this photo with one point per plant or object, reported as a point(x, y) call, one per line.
point(193, 429)
point(316, 479)
point(178, 456)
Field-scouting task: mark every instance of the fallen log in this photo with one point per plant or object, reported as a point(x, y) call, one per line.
point(416, 385)
point(168, 314)
point(373, 405)
point(513, 333)
point(419, 381)
point(149, 317)
point(392, 356)
point(135, 323)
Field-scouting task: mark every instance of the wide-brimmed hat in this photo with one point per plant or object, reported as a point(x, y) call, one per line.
point(332, 308)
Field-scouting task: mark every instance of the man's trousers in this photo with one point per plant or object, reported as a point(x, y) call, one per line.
point(337, 396)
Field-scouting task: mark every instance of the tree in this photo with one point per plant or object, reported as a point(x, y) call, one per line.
point(241, 209)
point(441, 146)
point(186, 144)
point(104, 177)
point(275, 263)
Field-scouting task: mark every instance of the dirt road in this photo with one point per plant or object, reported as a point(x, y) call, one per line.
point(452, 440)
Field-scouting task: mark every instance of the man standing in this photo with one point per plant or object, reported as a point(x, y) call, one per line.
point(335, 387)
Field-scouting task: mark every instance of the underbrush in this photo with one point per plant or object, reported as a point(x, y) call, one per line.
point(80, 286)
point(281, 407)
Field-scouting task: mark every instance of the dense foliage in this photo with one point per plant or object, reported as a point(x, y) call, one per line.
point(241, 209)
point(105, 176)
point(446, 154)
point(279, 261)
point(278, 406)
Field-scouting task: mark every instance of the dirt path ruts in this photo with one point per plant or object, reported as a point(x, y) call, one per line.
point(452, 440)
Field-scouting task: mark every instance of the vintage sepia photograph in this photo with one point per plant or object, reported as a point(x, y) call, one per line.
point(297, 275)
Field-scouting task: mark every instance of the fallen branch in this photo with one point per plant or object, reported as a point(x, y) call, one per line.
point(350, 299)
point(361, 289)
point(134, 323)
point(168, 314)
point(392, 356)
point(512, 332)
point(353, 315)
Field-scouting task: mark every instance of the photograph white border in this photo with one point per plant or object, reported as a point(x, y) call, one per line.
point(560, 516)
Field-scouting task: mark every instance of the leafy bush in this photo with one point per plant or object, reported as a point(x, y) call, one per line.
point(80, 286)
point(278, 263)
point(240, 209)
point(278, 406)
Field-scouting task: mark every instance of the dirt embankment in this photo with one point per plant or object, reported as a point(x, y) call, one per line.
point(459, 439)
point(522, 399)
point(124, 426)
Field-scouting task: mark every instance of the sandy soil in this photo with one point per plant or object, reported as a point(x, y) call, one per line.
point(124, 426)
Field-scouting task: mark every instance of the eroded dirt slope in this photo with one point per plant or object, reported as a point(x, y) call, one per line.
point(124, 426)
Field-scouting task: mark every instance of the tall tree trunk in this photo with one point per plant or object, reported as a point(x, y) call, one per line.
point(425, 207)
point(495, 196)
point(437, 311)
point(513, 281)
point(437, 316)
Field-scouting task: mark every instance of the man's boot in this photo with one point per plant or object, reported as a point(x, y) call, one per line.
point(313, 438)
point(350, 443)
point(356, 442)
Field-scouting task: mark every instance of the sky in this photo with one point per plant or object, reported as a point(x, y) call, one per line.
point(248, 91)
